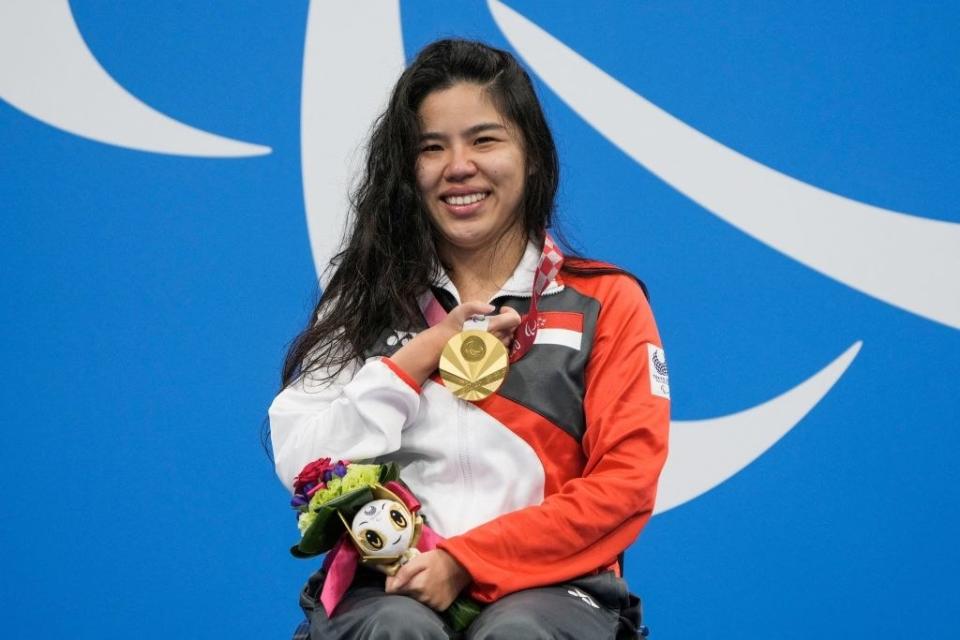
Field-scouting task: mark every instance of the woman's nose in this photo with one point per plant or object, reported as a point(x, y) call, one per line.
point(461, 164)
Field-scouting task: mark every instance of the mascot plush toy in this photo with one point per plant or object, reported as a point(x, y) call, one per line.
point(384, 531)
point(362, 514)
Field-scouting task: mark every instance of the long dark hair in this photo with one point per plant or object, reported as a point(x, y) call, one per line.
point(391, 254)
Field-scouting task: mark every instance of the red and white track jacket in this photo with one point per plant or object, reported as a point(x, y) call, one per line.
point(548, 479)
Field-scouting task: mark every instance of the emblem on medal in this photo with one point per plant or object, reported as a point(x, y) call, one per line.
point(474, 362)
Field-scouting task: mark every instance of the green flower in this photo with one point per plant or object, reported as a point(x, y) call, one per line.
point(325, 495)
point(305, 520)
point(360, 476)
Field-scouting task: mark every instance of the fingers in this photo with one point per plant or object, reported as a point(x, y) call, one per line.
point(400, 581)
point(501, 325)
point(390, 586)
point(420, 589)
point(426, 578)
point(416, 586)
point(506, 321)
point(395, 583)
point(504, 324)
point(460, 313)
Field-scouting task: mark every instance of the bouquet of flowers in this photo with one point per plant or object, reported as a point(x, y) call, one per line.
point(326, 492)
point(353, 512)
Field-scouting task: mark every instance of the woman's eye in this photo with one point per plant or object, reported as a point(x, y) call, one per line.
point(399, 521)
point(484, 140)
point(373, 539)
point(430, 147)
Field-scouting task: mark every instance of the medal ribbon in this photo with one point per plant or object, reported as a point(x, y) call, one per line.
point(551, 259)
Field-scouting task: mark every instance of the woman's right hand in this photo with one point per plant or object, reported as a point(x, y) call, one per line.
point(501, 325)
point(461, 313)
point(420, 356)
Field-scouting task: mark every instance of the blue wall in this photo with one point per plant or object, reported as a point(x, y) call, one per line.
point(148, 298)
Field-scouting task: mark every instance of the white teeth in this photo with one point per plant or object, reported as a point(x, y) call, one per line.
point(468, 199)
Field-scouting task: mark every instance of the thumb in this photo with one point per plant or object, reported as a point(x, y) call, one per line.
point(510, 311)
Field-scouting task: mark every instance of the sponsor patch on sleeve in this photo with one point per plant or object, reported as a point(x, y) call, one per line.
point(659, 377)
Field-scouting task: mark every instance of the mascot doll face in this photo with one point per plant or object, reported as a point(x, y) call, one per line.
point(383, 528)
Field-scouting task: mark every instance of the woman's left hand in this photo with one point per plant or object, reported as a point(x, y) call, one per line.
point(434, 578)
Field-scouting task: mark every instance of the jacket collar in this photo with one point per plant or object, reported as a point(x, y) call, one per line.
point(518, 285)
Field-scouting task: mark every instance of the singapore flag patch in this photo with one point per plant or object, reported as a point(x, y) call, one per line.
point(657, 366)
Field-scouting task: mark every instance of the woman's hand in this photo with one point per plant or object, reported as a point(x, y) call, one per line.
point(501, 325)
point(420, 356)
point(504, 324)
point(461, 313)
point(434, 578)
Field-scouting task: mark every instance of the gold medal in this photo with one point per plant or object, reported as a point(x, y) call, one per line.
point(474, 363)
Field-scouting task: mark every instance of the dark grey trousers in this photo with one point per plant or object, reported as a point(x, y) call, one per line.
point(595, 607)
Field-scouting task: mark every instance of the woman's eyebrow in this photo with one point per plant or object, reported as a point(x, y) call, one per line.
point(483, 126)
point(472, 131)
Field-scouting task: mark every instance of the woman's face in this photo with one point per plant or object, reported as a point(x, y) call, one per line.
point(470, 168)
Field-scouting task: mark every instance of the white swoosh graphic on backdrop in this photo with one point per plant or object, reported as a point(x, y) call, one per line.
point(704, 453)
point(363, 40)
point(904, 260)
point(353, 55)
point(48, 72)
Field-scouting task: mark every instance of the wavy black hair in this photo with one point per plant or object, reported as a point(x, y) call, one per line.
point(391, 254)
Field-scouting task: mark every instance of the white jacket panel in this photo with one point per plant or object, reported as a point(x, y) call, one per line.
point(464, 465)
point(357, 416)
point(446, 448)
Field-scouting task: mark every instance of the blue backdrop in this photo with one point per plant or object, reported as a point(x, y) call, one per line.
point(147, 299)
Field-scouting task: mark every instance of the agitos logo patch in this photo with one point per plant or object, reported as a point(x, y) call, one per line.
point(659, 377)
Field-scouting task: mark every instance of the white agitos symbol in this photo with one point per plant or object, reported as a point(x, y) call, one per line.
point(530, 330)
point(47, 71)
point(57, 80)
point(355, 49)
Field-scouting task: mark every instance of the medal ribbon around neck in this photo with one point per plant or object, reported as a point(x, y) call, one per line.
point(474, 362)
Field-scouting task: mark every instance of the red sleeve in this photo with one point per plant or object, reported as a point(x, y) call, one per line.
point(593, 518)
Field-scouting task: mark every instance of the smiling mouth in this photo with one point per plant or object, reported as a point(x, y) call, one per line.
point(462, 200)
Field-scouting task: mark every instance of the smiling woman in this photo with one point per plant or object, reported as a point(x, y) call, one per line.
point(471, 173)
point(535, 489)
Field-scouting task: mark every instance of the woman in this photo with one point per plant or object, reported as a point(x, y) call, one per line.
point(539, 487)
